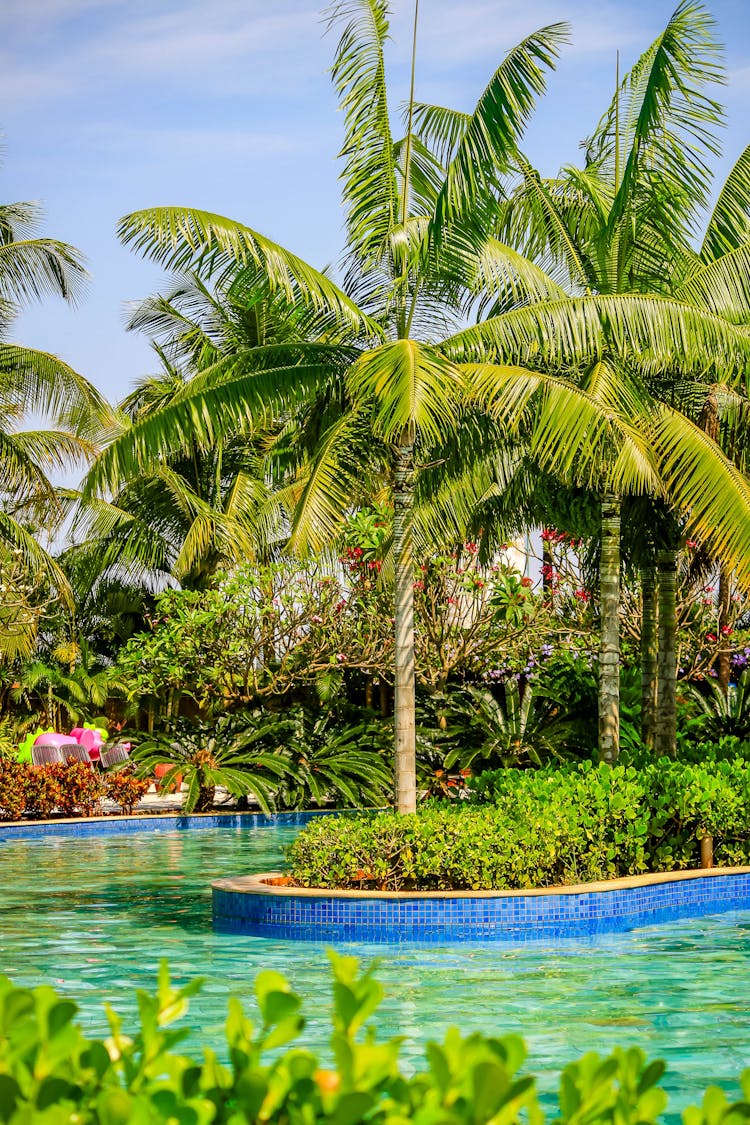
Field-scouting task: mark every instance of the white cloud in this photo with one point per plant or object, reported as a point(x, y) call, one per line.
point(60, 48)
point(458, 34)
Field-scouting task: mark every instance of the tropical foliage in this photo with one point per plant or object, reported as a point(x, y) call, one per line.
point(47, 1062)
point(299, 523)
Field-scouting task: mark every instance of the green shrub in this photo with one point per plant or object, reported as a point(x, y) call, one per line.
point(573, 824)
point(50, 1072)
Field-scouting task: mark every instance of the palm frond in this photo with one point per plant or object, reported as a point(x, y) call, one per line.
point(706, 487)
point(34, 268)
point(204, 412)
point(729, 224)
point(662, 120)
point(537, 219)
point(491, 136)
point(35, 381)
point(328, 487)
point(653, 333)
point(413, 386)
point(567, 431)
point(722, 284)
point(370, 190)
point(440, 129)
point(184, 239)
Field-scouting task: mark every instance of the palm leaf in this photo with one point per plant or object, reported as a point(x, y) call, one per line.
point(722, 284)
point(662, 120)
point(653, 333)
point(370, 191)
point(413, 386)
point(330, 485)
point(184, 239)
point(37, 381)
point(490, 138)
point(704, 484)
point(204, 412)
point(729, 224)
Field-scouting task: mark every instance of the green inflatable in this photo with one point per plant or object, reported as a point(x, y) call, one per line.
point(24, 748)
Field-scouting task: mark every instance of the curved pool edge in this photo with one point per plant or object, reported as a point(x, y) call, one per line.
point(250, 905)
point(150, 822)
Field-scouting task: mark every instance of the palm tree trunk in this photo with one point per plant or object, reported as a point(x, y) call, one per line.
point(649, 654)
point(724, 663)
point(404, 686)
point(609, 645)
point(709, 420)
point(666, 692)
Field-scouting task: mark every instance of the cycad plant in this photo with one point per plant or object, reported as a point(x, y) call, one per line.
point(723, 713)
point(331, 763)
point(394, 387)
point(520, 728)
point(207, 755)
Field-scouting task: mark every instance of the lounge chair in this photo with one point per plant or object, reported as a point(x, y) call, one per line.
point(115, 756)
point(44, 754)
point(78, 753)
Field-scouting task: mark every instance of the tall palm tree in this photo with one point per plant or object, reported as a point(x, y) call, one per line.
point(403, 385)
point(36, 383)
point(717, 277)
point(615, 227)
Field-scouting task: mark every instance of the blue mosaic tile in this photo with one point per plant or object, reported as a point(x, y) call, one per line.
point(163, 822)
point(476, 919)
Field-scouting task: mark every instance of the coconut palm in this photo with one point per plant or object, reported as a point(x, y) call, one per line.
point(401, 385)
point(205, 506)
point(617, 227)
point(39, 384)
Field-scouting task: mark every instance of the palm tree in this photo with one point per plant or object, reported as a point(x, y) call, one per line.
point(398, 384)
point(715, 277)
point(207, 505)
point(36, 383)
point(616, 227)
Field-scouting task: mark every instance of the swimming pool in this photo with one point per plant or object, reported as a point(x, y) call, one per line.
point(92, 916)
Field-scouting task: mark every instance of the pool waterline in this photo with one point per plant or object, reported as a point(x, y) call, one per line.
point(93, 915)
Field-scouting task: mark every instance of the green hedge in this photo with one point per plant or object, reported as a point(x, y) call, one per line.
point(572, 824)
point(52, 1074)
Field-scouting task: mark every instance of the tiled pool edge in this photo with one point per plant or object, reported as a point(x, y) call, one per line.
point(145, 822)
point(247, 905)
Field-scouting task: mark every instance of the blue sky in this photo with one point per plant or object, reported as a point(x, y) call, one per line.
point(108, 106)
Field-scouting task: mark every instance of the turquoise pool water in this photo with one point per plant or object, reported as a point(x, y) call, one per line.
point(93, 917)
